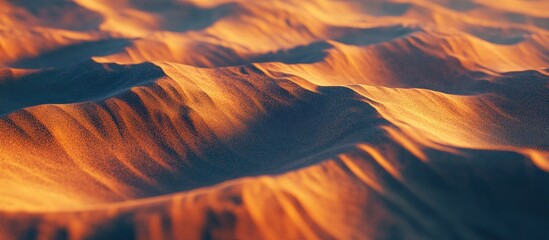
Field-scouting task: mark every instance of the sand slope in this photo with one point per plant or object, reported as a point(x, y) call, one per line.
point(373, 119)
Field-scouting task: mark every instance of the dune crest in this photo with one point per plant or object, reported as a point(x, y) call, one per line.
point(221, 119)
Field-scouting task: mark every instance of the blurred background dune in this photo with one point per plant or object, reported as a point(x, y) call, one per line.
point(222, 119)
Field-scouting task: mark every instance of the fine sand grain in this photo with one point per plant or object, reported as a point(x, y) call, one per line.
point(314, 119)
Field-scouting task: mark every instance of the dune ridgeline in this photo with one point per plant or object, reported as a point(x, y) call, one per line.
point(373, 119)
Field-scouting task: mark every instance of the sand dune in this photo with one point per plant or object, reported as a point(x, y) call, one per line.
point(221, 119)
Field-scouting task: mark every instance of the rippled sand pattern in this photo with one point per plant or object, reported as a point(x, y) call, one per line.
point(314, 119)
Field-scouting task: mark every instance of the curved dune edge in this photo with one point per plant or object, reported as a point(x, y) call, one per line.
point(414, 202)
point(232, 119)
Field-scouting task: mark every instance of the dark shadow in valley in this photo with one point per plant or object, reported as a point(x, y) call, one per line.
point(381, 8)
point(180, 16)
point(311, 53)
point(314, 52)
point(368, 36)
point(82, 82)
point(499, 35)
point(73, 54)
point(61, 14)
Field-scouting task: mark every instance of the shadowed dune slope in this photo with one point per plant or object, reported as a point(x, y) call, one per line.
point(222, 119)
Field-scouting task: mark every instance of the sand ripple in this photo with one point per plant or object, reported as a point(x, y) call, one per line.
point(401, 119)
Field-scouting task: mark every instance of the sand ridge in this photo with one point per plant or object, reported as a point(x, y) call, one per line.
point(400, 119)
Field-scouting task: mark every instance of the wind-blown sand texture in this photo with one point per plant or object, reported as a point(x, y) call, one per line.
point(216, 119)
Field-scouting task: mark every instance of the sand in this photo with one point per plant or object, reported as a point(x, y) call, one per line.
point(219, 119)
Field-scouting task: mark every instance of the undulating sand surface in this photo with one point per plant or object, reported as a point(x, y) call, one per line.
point(316, 119)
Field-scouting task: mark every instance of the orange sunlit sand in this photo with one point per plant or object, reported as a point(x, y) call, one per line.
point(220, 119)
